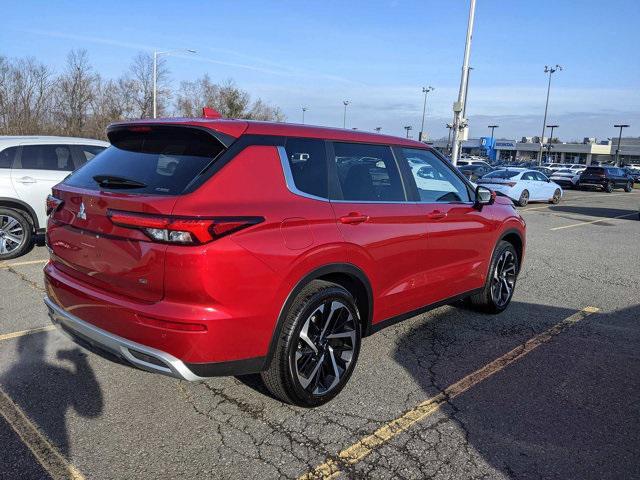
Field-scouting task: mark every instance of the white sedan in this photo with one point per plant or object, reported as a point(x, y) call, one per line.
point(522, 185)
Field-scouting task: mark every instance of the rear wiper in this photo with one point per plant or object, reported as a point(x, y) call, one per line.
point(112, 181)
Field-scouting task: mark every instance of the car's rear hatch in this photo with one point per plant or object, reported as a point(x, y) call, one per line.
point(593, 174)
point(139, 177)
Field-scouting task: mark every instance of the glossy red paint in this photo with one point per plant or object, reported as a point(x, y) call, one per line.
point(234, 287)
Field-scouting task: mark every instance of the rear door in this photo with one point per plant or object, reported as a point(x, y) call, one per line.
point(530, 184)
point(36, 169)
point(144, 172)
point(459, 236)
point(386, 231)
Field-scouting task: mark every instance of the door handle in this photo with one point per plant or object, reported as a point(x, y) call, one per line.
point(27, 180)
point(436, 215)
point(354, 218)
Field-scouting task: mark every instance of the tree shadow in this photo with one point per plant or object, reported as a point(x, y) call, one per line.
point(46, 391)
point(597, 211)
point(569, 409)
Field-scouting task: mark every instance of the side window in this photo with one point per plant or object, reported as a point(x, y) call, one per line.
point(6, 157)
point(86, 153)
point(45, 157)
point(367, 173)
point(435, 181)
point(540, 177)
point(308, 163)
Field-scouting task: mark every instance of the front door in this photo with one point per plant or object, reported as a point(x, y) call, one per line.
point(459, 235)
point(385, 230)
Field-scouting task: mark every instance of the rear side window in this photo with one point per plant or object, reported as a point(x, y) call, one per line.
point(367, 173)
point(45, 157)
point(6, 157)
point(308, 164)
point(502, 174)
point(599, 170)
point(86, 153)
point(160, 160)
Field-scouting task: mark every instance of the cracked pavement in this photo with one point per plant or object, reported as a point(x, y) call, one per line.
point(570, 409)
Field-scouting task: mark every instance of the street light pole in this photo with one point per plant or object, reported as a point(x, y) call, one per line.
point(408, 128)
point(449, 127)
point(550, 71)
point(344, 118)
point(459, 122)
point(466, 92)
point(156, 54)
point(304, 109)
point(550, 138)
point(619, 140)
point(425, 90)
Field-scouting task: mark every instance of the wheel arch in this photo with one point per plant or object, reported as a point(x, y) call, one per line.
point(348, 276)
point(514, 237)
point(16, 204)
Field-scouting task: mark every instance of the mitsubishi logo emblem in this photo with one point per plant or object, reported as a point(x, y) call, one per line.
point(81, 213)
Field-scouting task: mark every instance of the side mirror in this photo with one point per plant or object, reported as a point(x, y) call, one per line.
point(484, 196)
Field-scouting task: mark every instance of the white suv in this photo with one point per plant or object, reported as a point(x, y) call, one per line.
point(29, 167)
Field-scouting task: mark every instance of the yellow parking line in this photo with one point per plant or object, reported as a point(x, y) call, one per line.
point(45, 452)
point(358, 451)
point(594, 221)
point(22, 333)
point(17, 264)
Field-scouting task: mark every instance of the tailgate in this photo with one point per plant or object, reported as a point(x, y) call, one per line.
point(142, 174)
point(97, 252)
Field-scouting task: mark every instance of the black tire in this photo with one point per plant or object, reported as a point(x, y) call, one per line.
point(556, 197)
point(14, 225)
point(608, 187)
point(524, 198)
point(284, 377)
point(628, 187)
point(486, 300)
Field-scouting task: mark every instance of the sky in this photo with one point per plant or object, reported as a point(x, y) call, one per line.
point(376, 54)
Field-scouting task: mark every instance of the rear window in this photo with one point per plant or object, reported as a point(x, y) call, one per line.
point(502, 174)
point(161, 160)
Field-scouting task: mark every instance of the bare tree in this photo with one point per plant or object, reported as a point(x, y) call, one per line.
point(228, 99)
point(25, 87)
point(140, 80)
point(75, 92)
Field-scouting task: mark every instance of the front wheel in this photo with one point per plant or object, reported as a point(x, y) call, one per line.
point(524, 198)
point(556, 197)
point(318, 346)
point(608, 187)
point(501, 280)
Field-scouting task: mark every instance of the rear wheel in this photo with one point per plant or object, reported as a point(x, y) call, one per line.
point(318, 346)
point(15, 234)
point(628, 187)
point(524, 198)
point(556, 197)
point(501, 280)
point(608, 187)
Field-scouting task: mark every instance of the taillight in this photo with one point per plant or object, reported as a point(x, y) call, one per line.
point(53, 204)
point(182, 230)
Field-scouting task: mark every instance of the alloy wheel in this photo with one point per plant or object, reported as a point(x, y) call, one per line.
point(12, 234)
point(325, 347)
point(504, 278)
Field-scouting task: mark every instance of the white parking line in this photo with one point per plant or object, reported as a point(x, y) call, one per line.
point(595, 221)
point(578, 199)
point(17, 264)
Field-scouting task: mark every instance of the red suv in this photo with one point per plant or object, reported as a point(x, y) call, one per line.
point(205, 247)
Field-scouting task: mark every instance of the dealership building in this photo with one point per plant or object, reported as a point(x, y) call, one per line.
point(586, 152)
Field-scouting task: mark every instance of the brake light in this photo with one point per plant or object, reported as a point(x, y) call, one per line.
point(182, 230)
point(53, 204)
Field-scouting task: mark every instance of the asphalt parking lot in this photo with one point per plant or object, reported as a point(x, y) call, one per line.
point(548, 389)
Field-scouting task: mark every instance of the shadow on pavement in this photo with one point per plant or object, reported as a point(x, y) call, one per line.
point(569, 409)
point(45, 391)
point(597, 211)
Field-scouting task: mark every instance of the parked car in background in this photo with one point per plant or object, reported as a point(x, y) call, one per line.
point(556, 166)
point(522, 185)
point(468, 161)
point(29, 167)
point(634, 173)
point(607, 178)
point(544, 170)
point(474, 172)
point(565, 177)
point(204, 247)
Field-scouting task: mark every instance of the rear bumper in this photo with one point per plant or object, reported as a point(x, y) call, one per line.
point(141, 356)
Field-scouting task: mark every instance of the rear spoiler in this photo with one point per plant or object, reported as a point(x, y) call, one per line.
point(223, 138)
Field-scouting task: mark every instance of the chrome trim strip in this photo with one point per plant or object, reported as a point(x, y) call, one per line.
point(118, 345)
